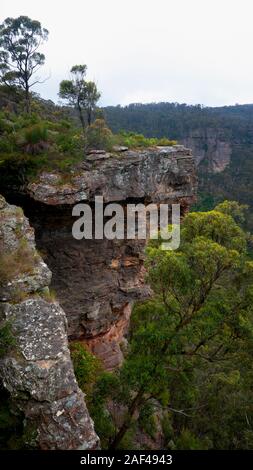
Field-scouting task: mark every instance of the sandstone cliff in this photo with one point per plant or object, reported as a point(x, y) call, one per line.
point(211, 147)
point(96, 281)
point(37, 370)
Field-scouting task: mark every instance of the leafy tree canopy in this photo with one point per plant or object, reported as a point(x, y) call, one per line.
point(20, 59)
point(189, 344)
point(79, 93)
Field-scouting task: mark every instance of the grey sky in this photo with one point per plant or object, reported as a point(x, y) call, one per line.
point(194, 51)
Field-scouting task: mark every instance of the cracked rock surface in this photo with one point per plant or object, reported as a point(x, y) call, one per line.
point(97, 281)
point(37, 371)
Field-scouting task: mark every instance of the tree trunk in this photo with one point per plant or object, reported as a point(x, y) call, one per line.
point(125, 426)
point(27, 99)
point(81, 117)
point(89, 113)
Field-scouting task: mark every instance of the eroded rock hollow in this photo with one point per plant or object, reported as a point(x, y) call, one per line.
point(97, 281)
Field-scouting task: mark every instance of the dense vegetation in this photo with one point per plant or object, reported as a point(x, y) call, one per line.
point(174, 119)
point(179, 121)
point(49, 139)
point(187, 374)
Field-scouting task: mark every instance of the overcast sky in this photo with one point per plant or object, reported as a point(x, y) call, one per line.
point(192, 51)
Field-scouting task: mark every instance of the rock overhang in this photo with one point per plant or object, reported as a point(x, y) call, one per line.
point(157, 174)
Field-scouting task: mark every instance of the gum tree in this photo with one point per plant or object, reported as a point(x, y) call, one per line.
point(20, 59)
point(80, 94)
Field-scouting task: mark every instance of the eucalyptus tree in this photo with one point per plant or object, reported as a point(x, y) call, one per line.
point(80, 94)
point(20, 59)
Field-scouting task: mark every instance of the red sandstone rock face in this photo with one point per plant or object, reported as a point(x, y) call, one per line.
point(97, 281)
point(109, 346)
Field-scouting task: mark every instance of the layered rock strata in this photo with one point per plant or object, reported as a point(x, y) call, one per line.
point(97, 281)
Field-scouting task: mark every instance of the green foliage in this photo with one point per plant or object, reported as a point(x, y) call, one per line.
point(35, 139)
point(188, 441)
point(215, 225)
point(133, 140)
point(7, 340)
point(99, 136)
point(147, 421)
point(190, 346)
point(233, 208)
point(127, 442)
point(81, 94)
point(205, 202)
point(21, 260)
point(47, 140)
point(31, 144)
point(107, 385)
point(86, 366)
point(20, 59)
point(36, 134)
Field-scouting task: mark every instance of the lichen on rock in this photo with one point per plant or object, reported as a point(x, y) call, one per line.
point(38, 371)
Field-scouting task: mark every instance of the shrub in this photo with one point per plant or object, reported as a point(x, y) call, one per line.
point(132, 140)
point(17, 262)
point(99, 136)
point(166, 142)
point(36, 134)
point(69, 143)
point(36, 139)
point(49, 295)
point(86, 366)
point(23, 121)
point(7, 340)
point(5, 124)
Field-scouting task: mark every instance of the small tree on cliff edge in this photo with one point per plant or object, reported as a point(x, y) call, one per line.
point(79, 93)
point(20, 39)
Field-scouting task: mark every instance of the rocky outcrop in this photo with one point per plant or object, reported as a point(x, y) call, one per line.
point(212, 147)
point(37, 369)
point(97, 281)
point(157, 174)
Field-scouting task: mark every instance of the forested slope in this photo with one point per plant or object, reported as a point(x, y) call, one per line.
point(221, 138)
